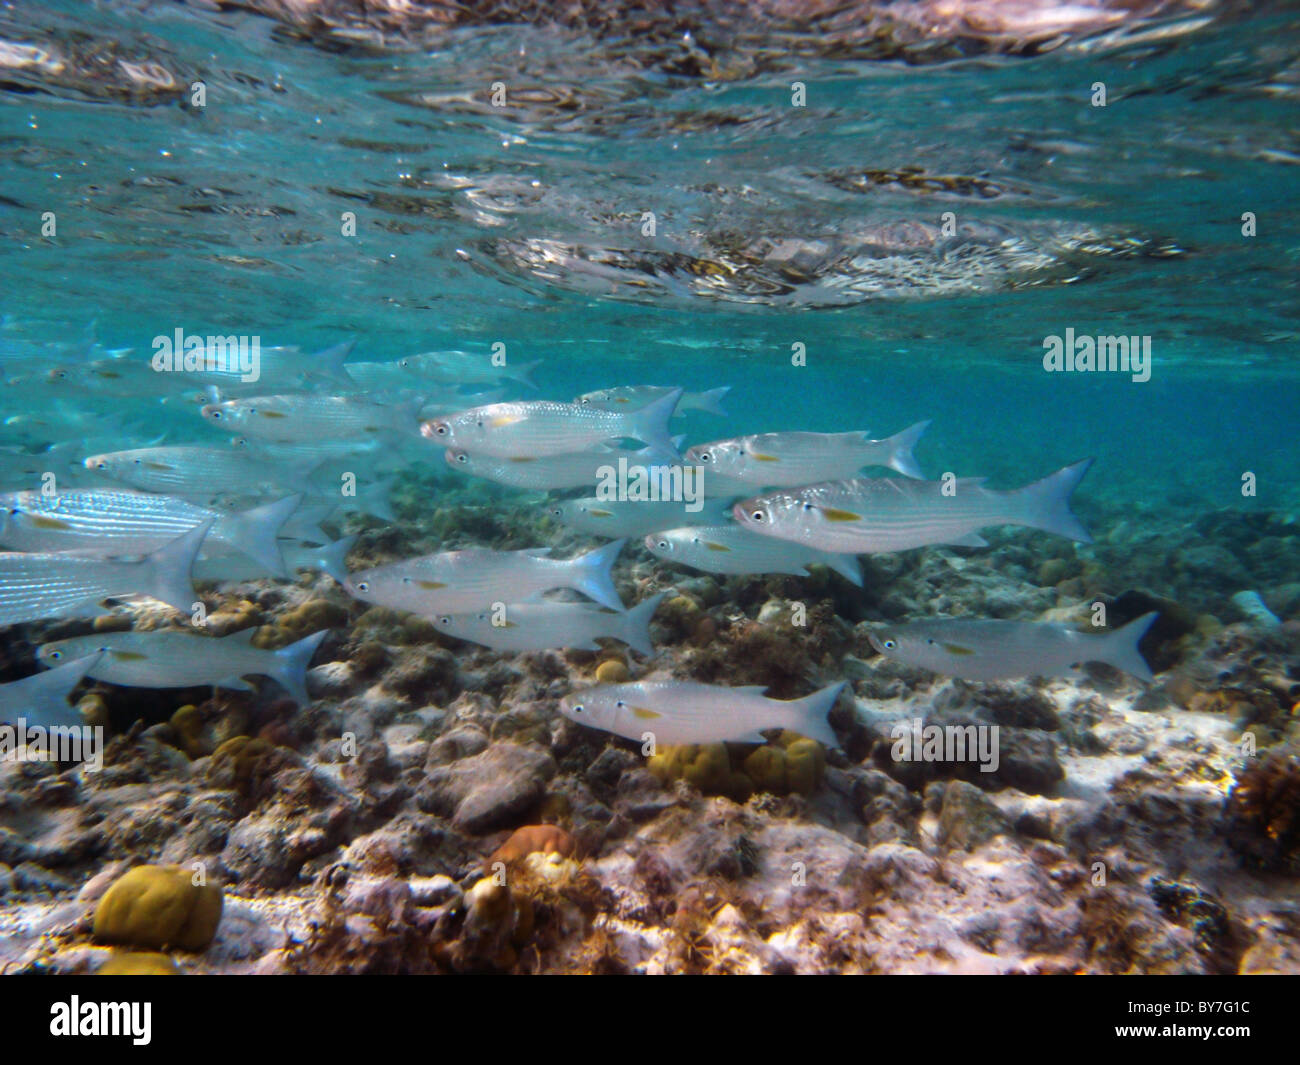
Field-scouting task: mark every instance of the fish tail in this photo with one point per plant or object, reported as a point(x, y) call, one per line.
point(376, 499)
point(1047, 503)
point(49, 695)
point(650, 423)
point(291, 663)
point(900, 450)
point(592, 577)
point(333, 557)
point(810, 714)
point(847, 566)
point(167, 570)
point(327, 365)
point(297, 476)
point(711, 401)
point(1121, 647)
point(258, 529)
point(636, 625)
point(523, 374)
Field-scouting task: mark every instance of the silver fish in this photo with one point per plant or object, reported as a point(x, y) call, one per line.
point(46, 585)
point(111, 522)
point(327, 558)
point(42, 699)
point(732, 548)
point(988, 649)
point(618, 518)
point(184, 660)
point(465, 368)
point(544, 625)
point(870, 515)
point(193, 471)
point(543, 427)
point(783, 460)
point(307, 417)
point(581, 469)
point(676, 712)
point(458, 582)
point(630, 397)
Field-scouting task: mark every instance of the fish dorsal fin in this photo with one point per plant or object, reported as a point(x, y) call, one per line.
point(751, 689)
point(242, 638)
point(536, 552)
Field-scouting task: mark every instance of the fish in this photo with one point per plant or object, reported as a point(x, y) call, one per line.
point(35, 585)
point(113, 522)
point(677, 712)
point(544, 427)
point(327, 558)
point(457, 582)
point(787, 460)
point(546, 624)
point(731, 548)
point(878, 515)
point(616, 518)
point(630, 397)
point(581, 469)
point(465, 368)
point(162, 659)
point(992, 649)
point(196, 471)
point(298, 418)
point(41, 700)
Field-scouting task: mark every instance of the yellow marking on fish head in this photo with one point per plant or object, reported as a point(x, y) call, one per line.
point(836, 514)
point(759, 456)
point(712, 546)
point(430, 585)
point(957, 649)
point(272, 414)
point(622, 399)
point(505, 419)
point(644, 714)
point(42, 521)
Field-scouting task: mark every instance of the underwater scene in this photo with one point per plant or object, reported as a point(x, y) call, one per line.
point(796, 487)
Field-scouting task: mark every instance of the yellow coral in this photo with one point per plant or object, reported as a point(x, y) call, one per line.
point(133, 963)
point(158, 906)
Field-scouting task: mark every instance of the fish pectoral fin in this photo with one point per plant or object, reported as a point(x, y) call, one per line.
point(645, 714)
point(597, 512)
point(712, 546)
point(758, 456)
point(836, 514)
point(43, 521)
point(127, 656)
point(234, 684)
point(969, 540)
point(957, 649)
point(753, 737)
point(272, 414)
point(505, 419)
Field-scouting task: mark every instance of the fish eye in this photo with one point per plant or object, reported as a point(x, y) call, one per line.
point(807, 506)
point(621, 704)
point(757, 515)
point(578, 708)
point(363, 586)
point(462, 458)
point(889, 645)
point(137, 462)
point(663, 545)
point(706, 456)
point(56, 655)
point(215, 415)
point(440, 428)
point(446, 620)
